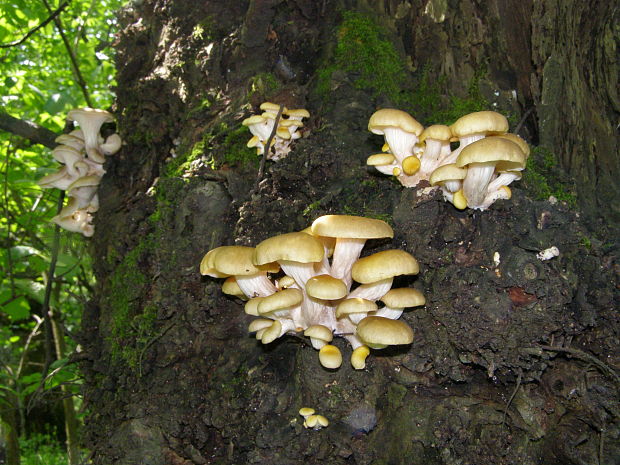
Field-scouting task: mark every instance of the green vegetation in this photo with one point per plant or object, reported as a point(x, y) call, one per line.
point(543, 177)
point(363, 51)
point(40, 84)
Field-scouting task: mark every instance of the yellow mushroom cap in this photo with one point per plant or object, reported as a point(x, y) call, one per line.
point(298, 112)
point(306, 411)
point(281, 300)
point(253, 142)
point(258, 324)
point(379, 159)
point(285, 281)
point(231, 287)
point(459, 200)
point(403, 297)
point(269, 106)
point(384, 265)
point(358, 357)
point(487, 122)
point(525, 148)
point(347, 226)
point(254, 119)
point(492, 149)
point(378, 332)
point(319, 332)
point(355, 305)
point(449, 172)
point(237, 260)
point(437, 132)
point(297, 246)
point(391, 117)
point(206, 265)
point(330, 356)
point(411, 165)
point(326, 287)
point(251, 306)
point(272, 333)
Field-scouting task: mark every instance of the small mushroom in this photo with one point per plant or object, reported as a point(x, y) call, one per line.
point(90, 121)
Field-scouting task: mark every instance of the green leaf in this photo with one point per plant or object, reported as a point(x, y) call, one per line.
point(18, 309)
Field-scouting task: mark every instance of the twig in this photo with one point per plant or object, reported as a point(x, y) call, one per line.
point(74, 63)
point(51, 17)
point(8, 225)
point(512, 396)
point(585, 356)
point(522, 120)
point(261, 168)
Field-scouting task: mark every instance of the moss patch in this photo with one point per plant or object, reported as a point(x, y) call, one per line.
point(543, 177)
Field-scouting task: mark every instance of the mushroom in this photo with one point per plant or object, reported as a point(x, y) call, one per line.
point(436, 140)
point(111, 145)
point(396, 300)
point(90, 121)
point(351, 233)
point(330, 356)
point(69, 156)
point(480, 158)
point(319, 335)
point(378, 332)
point(400, 129)
point(476, 126)
point(450, 178)
point(377, 271)
point(358, 357)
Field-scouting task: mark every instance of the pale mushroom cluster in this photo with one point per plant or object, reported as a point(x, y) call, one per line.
point(475, 174)
point(303, 282)
point(262, 125)
point(82, 153)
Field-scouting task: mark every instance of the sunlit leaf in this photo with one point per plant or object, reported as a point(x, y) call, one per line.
point(16, 310)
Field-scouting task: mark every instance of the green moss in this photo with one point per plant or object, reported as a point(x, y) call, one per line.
point(433, 105)
point(263, 85)
point(365, 53)
point(544, 178)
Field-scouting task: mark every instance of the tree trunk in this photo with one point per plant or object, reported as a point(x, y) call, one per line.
point(513, 357)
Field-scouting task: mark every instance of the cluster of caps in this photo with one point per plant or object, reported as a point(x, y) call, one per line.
point(475, 174)
point(82, 154)
point(262, 125)
point(303, 282)
point(312, 419)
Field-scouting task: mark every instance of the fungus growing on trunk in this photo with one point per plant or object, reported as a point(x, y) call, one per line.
point(315, 295)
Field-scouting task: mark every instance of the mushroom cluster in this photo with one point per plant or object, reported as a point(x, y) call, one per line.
point(262, 125)
point(82, 153)
point(475, 174)
point(304, 282)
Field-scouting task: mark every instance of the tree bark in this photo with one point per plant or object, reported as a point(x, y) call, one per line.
point(172, 376)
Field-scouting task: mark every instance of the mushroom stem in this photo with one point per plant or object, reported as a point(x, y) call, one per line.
point(346, 252)
point(401, 143)
point(476, 182)
point(256, 285)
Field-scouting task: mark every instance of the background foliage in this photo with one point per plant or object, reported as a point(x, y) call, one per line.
point(40, 83)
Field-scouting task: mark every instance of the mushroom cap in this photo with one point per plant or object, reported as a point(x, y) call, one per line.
point(403, 297)
point(330, 356)
point(66, 154)
point(358, 357)
point(525, 148)
point(283, 133)
point(97, 116)
point(377, 330)
point(436, 132)
point(237, 260)
point(286, 281)
point(281, 300)
point(206, 265)
point(355, 305)
point(271, 333)
point(254, 119)
point(85, 181)
point(306, 411)
point(251, 306)
point(326, 287)
point(492, 149)
point(269, 106)
point(112, 144)
point(72, 141)
point(411, 165)
point(258, 324)
point(384, 265)
point(449, 172)
point(298, 112)
point(319, 332)
point(350, 227)
point(231, 287)
point(379, 159)
point(296, 246)
point(488, 122)
point(391, 117)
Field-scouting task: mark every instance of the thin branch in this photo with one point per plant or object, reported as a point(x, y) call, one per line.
point(74, 64)
point(50, 18)
point(28, 130)
point(9, 255)
point(261, 168)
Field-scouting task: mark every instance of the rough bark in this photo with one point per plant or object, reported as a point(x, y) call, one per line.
point(511, 363)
